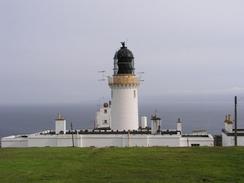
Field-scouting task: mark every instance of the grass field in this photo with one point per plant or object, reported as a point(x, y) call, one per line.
point(122, 165)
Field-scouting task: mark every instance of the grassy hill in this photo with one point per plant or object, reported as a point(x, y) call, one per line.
point(122, 165)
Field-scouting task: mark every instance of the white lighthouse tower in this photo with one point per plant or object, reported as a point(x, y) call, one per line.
point(124, 91)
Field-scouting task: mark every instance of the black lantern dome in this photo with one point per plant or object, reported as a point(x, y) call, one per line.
point(124, 61)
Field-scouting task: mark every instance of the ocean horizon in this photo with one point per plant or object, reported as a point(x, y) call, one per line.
point(24, 119)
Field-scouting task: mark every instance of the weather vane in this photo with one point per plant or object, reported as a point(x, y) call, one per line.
point(123, 44)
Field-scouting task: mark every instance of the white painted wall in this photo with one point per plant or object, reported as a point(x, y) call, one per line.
point(155, 124)
point(202, 141)
point(102, 140)
point(124, 109)
point(240, 140)
point(229, 127)
point(143, 122)
point(66, 140)
point(60, 125)
point(179, 126)
point(129, 140)
point(13, 141)
point(136, 140)
point(167, 140)
point(101, 116)
point(230, 140)
point(105, 140)
point(227, 140)
point(53, 140)
point(42, 141)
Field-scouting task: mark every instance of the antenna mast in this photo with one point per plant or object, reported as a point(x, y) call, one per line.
point(71, 126)
point(235, 120)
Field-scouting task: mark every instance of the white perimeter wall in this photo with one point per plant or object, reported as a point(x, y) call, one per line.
point(124, 109)
point(103, 140)
point(202, 141)
point(14, 142)
point(53, 140)
point(167, 140)
point(129, 140)
point(230, 140)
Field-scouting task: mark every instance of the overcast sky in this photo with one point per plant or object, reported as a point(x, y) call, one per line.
point(51, 50)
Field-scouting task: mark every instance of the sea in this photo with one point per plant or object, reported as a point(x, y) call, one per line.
point(24, 119)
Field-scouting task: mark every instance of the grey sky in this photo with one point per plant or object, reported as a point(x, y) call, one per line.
point(51, 50)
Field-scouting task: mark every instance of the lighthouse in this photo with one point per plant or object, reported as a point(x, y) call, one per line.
point(124, 91)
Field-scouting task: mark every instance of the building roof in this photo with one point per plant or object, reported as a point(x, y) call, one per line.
point(240, 132)
point(125, 60)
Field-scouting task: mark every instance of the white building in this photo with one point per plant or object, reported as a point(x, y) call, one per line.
point(103, 117)
point(228, 133)
point(104, 138)
point(179, 125)
point(124, 91)
point(155, 124)
point(116, 123)
point(60, 124)
point(143, 122)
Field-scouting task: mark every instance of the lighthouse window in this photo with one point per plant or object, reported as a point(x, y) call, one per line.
point(105, 121)
point(105, 111)
point(134, 93)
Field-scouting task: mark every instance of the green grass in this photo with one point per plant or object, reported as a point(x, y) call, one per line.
point(122, 165)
